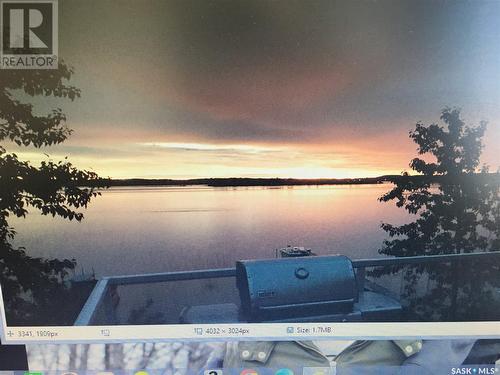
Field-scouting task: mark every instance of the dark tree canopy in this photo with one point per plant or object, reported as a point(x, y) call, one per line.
point(53, 188)
point(456, 204)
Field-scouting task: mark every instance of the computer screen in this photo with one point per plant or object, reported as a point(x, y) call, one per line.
point(249, 170)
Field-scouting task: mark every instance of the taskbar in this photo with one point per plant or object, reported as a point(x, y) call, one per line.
point(490, 369)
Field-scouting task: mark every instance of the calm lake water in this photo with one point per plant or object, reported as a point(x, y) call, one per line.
point(158, 229)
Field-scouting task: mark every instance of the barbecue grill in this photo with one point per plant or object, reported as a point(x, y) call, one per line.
point(290, 287)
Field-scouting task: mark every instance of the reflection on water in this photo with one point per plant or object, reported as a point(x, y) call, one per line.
point(158, 229)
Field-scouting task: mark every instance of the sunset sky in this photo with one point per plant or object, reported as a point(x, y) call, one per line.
point(183, 89)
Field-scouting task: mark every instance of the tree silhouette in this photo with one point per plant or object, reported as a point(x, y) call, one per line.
point(457, 207)
point(30, 284)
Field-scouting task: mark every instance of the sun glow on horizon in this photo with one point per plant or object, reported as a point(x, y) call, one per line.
point(178, 166)
point(210, 146)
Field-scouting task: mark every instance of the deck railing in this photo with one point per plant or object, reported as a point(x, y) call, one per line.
point(101, 290)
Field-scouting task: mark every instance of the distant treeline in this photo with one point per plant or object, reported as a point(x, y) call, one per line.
point(234, 182)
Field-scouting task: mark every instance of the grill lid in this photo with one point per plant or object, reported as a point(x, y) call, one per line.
point(289, 287)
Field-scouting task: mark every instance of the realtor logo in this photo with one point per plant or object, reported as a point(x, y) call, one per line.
point(29, 34)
